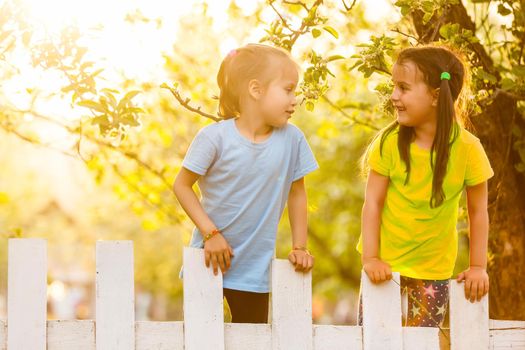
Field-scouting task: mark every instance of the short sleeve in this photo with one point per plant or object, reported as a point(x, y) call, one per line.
point(200, 155)
point(379, 160)
point(306, 162)
point(478, 165)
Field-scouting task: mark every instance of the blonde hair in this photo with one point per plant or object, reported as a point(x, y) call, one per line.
point(252, 61)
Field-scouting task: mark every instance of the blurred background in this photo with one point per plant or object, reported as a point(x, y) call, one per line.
point(100, 100)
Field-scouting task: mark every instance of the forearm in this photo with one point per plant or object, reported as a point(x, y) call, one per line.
point(370, 229)
point(479, 228)
point(192, 206)
point(297, 213)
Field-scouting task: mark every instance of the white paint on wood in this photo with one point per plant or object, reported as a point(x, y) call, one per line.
point(203, 304)
point(506, 324)
point(381, 314)
point(115, 297)
point(71, 334)
point(328, 337)
point(420, 338)
point(469, 322)
point(27, 294)
point(507, 334)
point(291, 307)
point(159, 335)
point(3, 335)
point(242, 336)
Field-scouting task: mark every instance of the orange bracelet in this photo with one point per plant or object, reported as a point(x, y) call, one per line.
point(211, 234)
point(303, 249)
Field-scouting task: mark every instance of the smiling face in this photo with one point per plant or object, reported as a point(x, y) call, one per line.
point(415, 102)
point(278, 101)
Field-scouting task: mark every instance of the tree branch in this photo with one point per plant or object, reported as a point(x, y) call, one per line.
point(185, 102)
point(348, 116)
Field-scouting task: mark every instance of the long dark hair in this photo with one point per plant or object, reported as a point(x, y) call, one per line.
point(432, 61)
point(252, 61)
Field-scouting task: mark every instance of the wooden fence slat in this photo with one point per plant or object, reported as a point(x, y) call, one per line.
point(291, 307)
point(71, 334)
point(469, 322)
point(506, 334)
point(27, 294)
point(420, 338)
point(159, 335)
point(242, 336)
point(328, 337)
point(115, 296)
point(381, 314)
point(3, 335)
point(203, 304)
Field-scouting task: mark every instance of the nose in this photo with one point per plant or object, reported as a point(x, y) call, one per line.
point(294, 100)
point(395, 95)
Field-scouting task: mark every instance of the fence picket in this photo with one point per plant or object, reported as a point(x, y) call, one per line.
point(469, 322)
point(203, 304)
point(381, 314)
point(27, 294)
point(115, 296)
point(291, 307)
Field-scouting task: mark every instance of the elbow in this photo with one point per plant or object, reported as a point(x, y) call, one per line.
point(176, 188)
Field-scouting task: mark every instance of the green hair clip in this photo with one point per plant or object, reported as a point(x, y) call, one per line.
point(445, 75)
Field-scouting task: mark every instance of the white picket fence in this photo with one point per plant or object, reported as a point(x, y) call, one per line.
point(203, 328)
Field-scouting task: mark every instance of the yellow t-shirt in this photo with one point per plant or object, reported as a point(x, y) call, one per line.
point(416, 240)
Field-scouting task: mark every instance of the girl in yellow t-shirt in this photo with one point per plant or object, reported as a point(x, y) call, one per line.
point(418, 167)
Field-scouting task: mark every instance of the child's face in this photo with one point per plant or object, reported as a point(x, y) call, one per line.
point(414, 100)
point(278, 101)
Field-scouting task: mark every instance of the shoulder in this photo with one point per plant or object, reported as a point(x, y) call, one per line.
point(467, 137)
point(215, 128)
point(292, 130)
point(291, 134)
point(215, 133)
point(386, 137)
point(469, 141)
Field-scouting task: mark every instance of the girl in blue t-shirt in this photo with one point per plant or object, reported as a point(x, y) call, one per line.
point(248, 166)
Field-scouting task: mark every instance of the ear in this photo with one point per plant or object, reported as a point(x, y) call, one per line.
point(435, 97)
point(255, 89)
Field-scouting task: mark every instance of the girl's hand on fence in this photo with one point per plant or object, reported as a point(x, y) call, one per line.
point(301, 259)
point(218, 252)
point(476, 282)
point(377, 270)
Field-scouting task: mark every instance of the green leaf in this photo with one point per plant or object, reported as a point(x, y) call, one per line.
point(332, 31)
point(335, 57)
point(316, 32)
point(92, 105)
point(310, 106)
point(128, 97)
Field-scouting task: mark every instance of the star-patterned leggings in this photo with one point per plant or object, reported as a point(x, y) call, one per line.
point(427, 302)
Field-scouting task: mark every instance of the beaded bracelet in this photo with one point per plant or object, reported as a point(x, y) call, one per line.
point(211, 234)
point(303, 249)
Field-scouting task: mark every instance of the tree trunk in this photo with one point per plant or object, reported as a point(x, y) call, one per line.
point(507, 188)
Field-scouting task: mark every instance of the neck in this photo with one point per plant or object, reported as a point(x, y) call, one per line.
point(424, 134)
point(252, 126)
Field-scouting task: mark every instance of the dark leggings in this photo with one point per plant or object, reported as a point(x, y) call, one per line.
point(247, 307)
point(427, 302)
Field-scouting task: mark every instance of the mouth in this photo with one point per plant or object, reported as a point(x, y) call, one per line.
point(290, 112)
point(400, 109)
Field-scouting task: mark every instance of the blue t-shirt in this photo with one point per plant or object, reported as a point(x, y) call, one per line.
point(244, 187)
